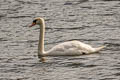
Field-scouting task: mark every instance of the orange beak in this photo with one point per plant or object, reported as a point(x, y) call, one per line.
point(32, 24)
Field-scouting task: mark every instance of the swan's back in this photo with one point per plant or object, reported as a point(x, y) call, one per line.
point(70, 48)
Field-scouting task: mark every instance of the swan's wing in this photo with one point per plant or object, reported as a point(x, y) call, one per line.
point(69, 48)
point(83, 47)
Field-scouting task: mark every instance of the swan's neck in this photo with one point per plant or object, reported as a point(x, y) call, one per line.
point(41, 39)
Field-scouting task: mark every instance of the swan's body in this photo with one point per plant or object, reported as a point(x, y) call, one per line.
point(70, 48)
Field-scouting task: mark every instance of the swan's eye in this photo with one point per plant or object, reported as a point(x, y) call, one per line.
point(34, 21)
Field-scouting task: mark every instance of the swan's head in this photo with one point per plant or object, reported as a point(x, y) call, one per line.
point(37, 21)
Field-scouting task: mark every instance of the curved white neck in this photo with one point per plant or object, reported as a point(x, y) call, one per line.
point(41, 39)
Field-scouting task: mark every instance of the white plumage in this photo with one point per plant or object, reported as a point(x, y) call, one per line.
point(70, 48)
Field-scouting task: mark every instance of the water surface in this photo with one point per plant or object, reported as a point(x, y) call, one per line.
point(93, 22)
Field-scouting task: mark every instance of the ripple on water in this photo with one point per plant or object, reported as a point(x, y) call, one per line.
point(95, 22)
point(78, 65)
point(117, 74)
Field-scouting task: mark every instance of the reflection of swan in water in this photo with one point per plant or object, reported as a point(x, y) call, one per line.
point(70, 48)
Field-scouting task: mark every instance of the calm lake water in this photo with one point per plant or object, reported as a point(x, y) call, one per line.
point(93, 22)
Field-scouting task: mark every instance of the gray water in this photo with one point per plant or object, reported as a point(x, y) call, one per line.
point(93, 22)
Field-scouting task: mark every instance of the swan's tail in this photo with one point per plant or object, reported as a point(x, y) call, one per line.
point(99, 48)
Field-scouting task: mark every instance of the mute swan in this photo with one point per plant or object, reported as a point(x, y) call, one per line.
point(70, 48)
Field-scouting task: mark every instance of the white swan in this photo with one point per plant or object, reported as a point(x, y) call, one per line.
point(70, 48)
